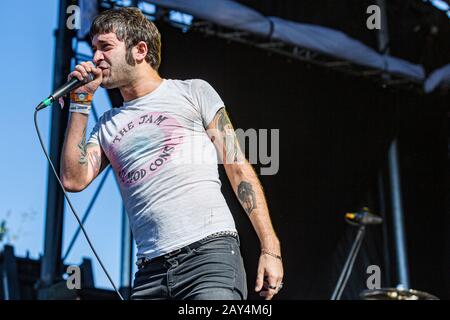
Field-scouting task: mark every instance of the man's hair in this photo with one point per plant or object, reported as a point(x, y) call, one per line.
point(131, 26)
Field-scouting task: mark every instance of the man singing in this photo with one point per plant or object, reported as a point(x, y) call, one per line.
point(164, 144)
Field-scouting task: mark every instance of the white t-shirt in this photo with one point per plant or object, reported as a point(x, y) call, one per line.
point(166, 165)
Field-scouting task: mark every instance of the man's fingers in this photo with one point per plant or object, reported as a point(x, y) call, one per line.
point(89, 75)
point(269, 286)
point(88, 67)
point(75, 74)
point(91, 68)
point(271, 281)
point(97, 71)
point(82, 71)
point(259, 279)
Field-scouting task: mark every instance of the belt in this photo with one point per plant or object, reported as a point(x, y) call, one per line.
point(143, 261)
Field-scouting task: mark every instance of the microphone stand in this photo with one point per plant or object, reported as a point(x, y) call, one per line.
point(348, 266)
point(363, 219)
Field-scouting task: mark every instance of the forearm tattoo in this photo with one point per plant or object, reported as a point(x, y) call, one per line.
point(93, 157)
point(247, 196)
point(82, 147)
point(229, 137)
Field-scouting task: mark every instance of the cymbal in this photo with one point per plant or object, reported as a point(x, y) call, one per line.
point(396, 294)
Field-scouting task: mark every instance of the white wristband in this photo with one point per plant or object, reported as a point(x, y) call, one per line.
point(80, 108)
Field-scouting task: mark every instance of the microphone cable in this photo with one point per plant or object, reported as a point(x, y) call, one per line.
point(71, 206)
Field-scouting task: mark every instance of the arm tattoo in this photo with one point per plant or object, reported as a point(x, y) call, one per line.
point(94, 158)
point(223, 121)
point(247, 196)
point(82, 147)
point(229, 137)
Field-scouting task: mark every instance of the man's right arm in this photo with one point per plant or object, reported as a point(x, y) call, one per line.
point(81, 162)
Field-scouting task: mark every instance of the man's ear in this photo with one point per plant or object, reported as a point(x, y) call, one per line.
point(140, 51)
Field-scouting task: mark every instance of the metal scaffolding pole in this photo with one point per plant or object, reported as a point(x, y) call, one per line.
point(51, 261)
point(385, 231)
point(398, 223)
point(394, 173)
point(126, 256)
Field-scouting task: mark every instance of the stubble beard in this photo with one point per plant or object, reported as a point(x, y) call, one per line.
point(116, 79)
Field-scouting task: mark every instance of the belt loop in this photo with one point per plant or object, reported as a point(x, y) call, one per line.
point(172, 253)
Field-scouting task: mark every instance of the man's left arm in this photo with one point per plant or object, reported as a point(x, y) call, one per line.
point(249, 191)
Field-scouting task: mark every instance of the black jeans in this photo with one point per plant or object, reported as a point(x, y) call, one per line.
point(212, 271)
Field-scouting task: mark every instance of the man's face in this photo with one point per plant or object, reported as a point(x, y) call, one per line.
point(110, 56)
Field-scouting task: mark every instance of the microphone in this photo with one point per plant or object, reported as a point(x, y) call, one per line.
point(70, 85)
point(363, 217)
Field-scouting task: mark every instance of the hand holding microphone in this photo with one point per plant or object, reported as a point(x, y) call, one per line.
point(89, 77)
point(85, 79)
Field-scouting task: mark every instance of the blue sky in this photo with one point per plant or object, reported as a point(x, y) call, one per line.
point(26, 61)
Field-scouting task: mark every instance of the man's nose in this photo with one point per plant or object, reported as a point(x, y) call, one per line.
point(98, 56)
